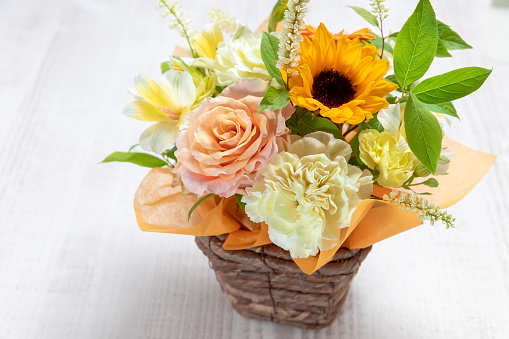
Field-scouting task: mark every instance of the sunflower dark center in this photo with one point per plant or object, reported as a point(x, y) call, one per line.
point(332, 88)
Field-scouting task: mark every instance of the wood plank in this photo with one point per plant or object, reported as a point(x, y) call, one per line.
point(73, 262)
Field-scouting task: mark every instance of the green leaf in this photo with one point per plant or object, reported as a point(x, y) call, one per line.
point(442, 51)
point(391, 78)
point(424, 134)
point(451, 85)
point(452, 41)
point(431, 182)
point(292, 124)
point(269, 49)
point(450, 38)
point(354, 143)
point(394, 36)
point(170, 153)
point(277, 15)
point(441, 27)
point(416, 44)
point(241, 204)
point(308, 123)
point(390, 99)
point(378, 44)
point(165, 67)
point(274, 99)
point(141, 159)
point(366, 15)
point(198, 204)
point(443, 108)
point(375, 124)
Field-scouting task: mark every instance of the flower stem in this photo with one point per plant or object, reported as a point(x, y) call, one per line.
point(181, 24)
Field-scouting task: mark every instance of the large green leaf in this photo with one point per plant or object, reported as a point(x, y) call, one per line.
point(308, 123)
point(443, 108)
point(451, 85)
point(366, 15)
point(423, 131)
point(453, 41)
point(274, 99)
point(269, 50)
point(416, 44)
point(141, 159)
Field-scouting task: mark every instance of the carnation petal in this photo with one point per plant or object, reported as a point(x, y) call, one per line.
point(305, 195)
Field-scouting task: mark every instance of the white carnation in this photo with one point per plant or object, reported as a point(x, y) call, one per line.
point(241, 58)
point(308, 193)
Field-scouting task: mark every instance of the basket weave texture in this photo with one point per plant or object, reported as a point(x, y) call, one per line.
point(264, 283)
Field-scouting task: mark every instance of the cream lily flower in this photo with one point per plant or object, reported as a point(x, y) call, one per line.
point(168, 103)
point(206, 42)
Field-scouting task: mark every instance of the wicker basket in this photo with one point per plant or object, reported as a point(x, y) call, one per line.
point(264, 283)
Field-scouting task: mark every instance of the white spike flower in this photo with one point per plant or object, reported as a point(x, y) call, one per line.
point(290, 37)
point(227, 22)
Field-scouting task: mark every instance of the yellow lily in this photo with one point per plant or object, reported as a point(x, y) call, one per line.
point(168, 103)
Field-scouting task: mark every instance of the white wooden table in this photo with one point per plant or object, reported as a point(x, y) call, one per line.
point(73, 263)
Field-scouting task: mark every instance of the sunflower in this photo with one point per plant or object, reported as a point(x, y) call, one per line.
point(343, 79)
point(363, 34)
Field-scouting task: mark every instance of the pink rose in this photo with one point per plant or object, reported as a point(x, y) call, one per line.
point(227, 143)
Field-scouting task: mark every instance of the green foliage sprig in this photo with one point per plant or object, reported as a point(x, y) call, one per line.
point(415, 49)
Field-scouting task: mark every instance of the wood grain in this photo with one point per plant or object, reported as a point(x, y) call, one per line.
point(73, 263)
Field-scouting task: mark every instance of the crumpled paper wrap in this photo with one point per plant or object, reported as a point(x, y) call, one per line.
point(160, 207)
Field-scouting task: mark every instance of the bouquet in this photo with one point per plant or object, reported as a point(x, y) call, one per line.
point(297, 145)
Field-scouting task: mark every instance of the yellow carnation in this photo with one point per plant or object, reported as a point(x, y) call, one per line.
point(379, 151)
point(308, 193)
